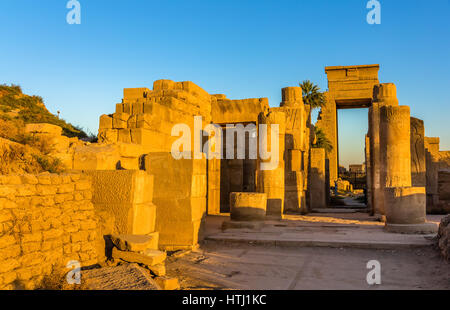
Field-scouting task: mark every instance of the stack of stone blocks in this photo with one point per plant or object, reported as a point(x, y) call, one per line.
point(141, 128)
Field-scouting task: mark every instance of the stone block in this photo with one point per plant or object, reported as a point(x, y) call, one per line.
point(96, 157)
point(106, 122)
point(136, 243)
point(148, 257)
point(108, 135)
point(43, 128)
point(163, 85)
point(248, 206)
point(317, 179)
point(130, 94)
point(166, 283)
point(405, 205)
point(121, 186)
point(158, 270)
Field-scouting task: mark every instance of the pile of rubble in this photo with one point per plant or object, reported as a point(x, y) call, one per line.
point(143, 250)
point(444, 237)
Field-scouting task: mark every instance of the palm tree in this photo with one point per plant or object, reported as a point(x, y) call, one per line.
point(312, 95)
point(322, 141)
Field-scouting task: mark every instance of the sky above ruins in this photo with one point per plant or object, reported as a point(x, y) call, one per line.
point(240, 48)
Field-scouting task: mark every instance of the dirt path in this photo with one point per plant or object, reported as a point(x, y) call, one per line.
point(220, 266)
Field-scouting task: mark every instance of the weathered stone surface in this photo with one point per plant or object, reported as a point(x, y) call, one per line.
point(317, 179)
point(148, 257)
point(45, 229)
point(383, 95)
point(405, 205)
point(248, 206)
point(127, 195)
point(158, 270)
point(136, 243)
point(43, 128)
point(96, 157)
point(395, 146)
point(418, 160)
point(271, 174)
point(167, 283)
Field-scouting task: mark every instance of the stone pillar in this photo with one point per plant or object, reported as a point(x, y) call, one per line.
point(272, 181)
point(418, 160)
point(405, 206)
point(395, 149)
point(383, 95)
point(291, 96)
point(368, 175)
point(317, 182)
point(248, 206)
point(432, 168)
point(295, 144)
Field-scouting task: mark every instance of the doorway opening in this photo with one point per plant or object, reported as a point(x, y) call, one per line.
point(352, 127)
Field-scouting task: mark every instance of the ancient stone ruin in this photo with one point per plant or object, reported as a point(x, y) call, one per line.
point(130, 190)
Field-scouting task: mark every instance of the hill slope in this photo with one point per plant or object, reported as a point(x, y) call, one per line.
point(22, 152)
point(22, 109)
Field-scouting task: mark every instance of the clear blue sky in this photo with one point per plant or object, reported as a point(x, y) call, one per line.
point(244, 48)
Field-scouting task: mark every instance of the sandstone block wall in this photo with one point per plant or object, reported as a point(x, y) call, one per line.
point(141, 129)
point(46, 220)
point(437, 180)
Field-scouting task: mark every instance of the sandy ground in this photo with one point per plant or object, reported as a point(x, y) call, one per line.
point(228, 266)
point(218, 265)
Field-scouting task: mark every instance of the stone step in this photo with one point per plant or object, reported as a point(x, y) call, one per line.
point(136, 243)
point(148, 257)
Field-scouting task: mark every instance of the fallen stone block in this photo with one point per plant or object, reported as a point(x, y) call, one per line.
point(43, 128)
point(158, 270)
point(136, 243)
point(148, 257)
point(168, 284)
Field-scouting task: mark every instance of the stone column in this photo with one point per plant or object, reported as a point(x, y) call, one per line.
point(272, 181)
point(317, 182)
point(395, 149)
point(418, 161)
point(295, 144)
point(368, 175)
point(405, 206)
point(432, 168)
point(383, 95)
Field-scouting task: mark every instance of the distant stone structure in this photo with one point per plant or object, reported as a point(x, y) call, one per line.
point(357, 168)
